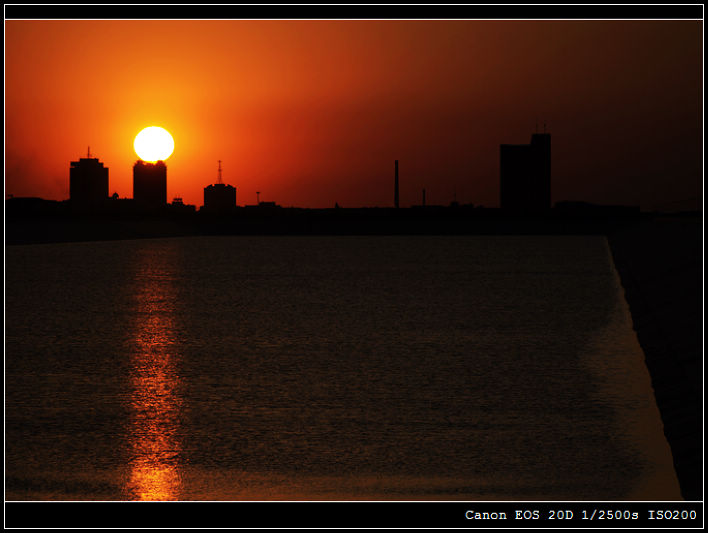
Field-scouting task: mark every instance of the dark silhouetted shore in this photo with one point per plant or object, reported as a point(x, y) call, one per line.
point(660, 265)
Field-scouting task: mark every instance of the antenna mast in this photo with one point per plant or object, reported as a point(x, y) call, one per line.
point(219, 170)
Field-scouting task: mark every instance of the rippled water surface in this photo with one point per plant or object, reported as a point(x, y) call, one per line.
point(393, 368)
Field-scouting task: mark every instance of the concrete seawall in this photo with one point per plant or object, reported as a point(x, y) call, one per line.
point(660, 265)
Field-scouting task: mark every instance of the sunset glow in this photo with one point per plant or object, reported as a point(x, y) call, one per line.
point(311, 113)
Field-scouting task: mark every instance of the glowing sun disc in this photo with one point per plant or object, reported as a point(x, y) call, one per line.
point(154, 144)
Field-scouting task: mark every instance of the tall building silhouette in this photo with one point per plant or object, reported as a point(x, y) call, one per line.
point(150, 184)
point(88, 181)
point(219, 196)
point(525, 174)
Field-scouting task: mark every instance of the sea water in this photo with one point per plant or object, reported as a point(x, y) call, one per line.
point(327, 368)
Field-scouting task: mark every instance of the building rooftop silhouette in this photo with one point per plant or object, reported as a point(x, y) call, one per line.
point(88, 182)
point(219, 197)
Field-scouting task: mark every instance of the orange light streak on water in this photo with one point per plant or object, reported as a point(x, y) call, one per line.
point(156, 402)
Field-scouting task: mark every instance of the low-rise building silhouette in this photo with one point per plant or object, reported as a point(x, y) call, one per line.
point(219, 197)
point(150, 184)
point(88, 182)
point(525, 174)
point(178, 206)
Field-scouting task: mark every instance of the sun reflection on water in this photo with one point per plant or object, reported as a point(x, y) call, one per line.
point(155, 402)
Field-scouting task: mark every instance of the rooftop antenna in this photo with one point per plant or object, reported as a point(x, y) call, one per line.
point(88, 153)
point(258, 197)
point(219, 170)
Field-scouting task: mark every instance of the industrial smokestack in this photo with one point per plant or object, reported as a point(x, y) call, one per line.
point(395, 187)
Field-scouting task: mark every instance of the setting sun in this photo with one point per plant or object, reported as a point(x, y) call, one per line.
point(154, 144)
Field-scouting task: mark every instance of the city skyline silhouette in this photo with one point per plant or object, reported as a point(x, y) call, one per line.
point(307, 112)
point(524, 188)
point(524, 183)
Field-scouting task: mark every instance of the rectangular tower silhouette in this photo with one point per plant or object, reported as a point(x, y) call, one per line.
point(150, 184)
point(88, 182)
point(525, 175)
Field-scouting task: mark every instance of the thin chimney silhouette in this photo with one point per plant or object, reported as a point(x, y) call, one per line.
point(395, 187)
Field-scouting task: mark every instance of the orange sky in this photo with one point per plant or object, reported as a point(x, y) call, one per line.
point(313, 113)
